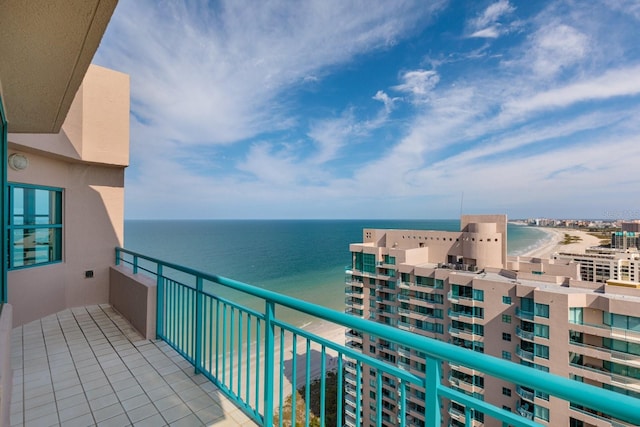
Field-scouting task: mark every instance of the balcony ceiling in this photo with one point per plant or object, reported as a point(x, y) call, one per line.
point(46, 47)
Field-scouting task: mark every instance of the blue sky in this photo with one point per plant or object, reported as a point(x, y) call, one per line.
point(389, 109)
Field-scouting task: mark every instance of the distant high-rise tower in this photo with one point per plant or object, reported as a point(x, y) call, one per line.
point(460, 287)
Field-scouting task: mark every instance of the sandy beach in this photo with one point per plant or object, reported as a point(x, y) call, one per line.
point(554, 243)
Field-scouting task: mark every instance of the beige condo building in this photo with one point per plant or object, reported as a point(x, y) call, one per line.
point(460, 287)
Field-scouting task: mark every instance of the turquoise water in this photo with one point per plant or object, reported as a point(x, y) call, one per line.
point(304, 259)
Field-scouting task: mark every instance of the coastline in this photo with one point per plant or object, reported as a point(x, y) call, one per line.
point(553, 243)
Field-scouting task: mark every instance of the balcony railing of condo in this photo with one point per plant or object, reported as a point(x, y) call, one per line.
point(242, 351)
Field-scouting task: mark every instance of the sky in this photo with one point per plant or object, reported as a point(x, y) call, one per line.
point(325, 109)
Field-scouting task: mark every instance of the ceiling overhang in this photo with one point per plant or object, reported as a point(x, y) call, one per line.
point(45, 49)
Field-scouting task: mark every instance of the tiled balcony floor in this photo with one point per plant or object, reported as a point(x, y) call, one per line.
point(88, 366)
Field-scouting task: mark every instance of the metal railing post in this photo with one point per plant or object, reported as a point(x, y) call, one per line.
point(117, 256)
point(199, 326)
point(159, 302)
point(135, 264)
point(269, 337)
point(431, 386)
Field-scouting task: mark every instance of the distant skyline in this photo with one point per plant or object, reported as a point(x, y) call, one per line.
point(363, 109)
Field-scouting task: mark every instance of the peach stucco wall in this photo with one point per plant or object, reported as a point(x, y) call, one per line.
point(87, 160)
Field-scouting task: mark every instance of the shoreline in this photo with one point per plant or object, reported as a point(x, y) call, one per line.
point(553, 243)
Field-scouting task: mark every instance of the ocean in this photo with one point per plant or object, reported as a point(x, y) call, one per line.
point(304, 259)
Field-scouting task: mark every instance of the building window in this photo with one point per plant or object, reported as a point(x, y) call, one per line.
point(506, 336)
point(506, 318)
point(506, 391)
point(541, 330)
point(478, 294)
point(35, 225)
point(506, 300)
point(541, 412)
point(506, 355)
point(542, 351)
point(542, 310)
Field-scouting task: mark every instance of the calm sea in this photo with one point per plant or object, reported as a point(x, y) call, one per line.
point(304, 259)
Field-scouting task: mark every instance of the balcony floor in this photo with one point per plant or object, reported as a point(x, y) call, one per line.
point(88, 366)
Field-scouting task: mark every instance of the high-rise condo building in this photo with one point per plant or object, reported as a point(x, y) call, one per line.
point(460, 287)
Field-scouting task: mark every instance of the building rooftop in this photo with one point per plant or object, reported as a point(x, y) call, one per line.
point(88, 366)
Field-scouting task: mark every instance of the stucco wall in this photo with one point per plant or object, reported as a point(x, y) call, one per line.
point(134, 296)
point(87, 160)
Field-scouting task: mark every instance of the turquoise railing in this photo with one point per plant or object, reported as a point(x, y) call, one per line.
point(245, 352)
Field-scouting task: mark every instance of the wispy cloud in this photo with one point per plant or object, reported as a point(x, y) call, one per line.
point(487, 24)
point(324, 109)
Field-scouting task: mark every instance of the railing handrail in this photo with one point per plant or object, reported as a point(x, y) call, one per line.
point(615, 404)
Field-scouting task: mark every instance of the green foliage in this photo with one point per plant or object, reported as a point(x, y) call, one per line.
point(331, 404)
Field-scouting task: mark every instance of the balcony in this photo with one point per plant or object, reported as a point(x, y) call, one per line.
point(88, 366)
point(525, 335)
point(525, 394)
point(524, 354)
point(525, 411)
point(524, 315)
point(213, 351)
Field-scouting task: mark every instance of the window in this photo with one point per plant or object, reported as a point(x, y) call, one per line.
point(35, 225)
point(506, 318)
point(575, 315)
point(506, 391)
point(541, 330)
point(506, 336)
point(369, 263)
point(541, 412)
point(542, 351)
point(542, 310)
point(506, 355)
point(506, 300)
point(478, 294)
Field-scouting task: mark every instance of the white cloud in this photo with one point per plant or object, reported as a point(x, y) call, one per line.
point(555, 47)
point(386, 100)
point(214, 75)
point(418, 84)
point(487, 24)
point(613, 83)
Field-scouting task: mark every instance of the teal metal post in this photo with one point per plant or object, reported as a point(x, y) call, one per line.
point(159, 302)
point(431, 386)
point(199, 325)
point(5, 206)
point(269, 336)
point(117, 256)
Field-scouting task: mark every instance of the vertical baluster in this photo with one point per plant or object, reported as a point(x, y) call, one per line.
point(268, 362)
point(339, 389)
point(217, 337)
point(160, 308)
point(323, 381)
point(258, 337)
point(358, 391)
point(281, 402)
point(378, 398)
point(403, 402)
point(431, 386)
point(199, 322)
point(231, 344)
point(240, 333)
point(224, 343)
point(294, 379)
point(135, 264)
point(248, 358)
point(307, 382)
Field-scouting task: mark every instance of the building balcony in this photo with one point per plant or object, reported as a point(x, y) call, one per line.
point(526, 411)
point(525, 394)
point(524, 315)
point(525, 335)
point(524, 354)
point(88, 366)
point(218, 361)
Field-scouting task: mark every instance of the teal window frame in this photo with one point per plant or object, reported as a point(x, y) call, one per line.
point(541, 310)
point(33, 222)
point(541, 330)
point(506, 300)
